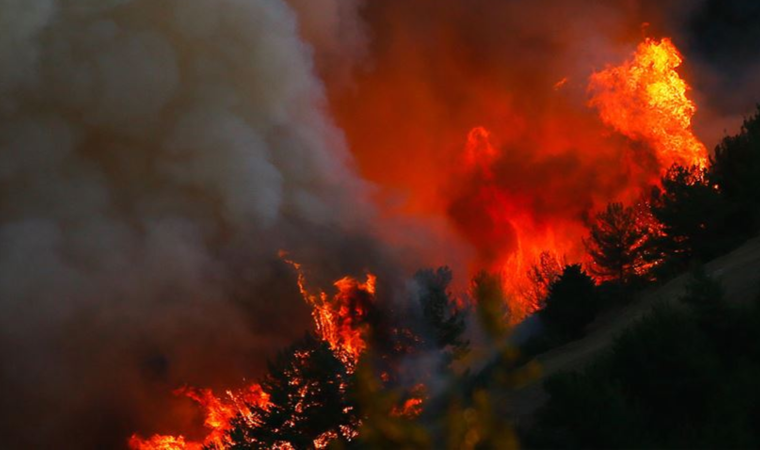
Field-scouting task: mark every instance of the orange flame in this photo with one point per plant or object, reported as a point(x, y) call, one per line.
point(412, 406)
point(645, 99)
point(219, 413)
point(510, 228)
point(160, 442)
point(340, 320)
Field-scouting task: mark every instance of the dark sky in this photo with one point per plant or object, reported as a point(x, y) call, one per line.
point(724, 35)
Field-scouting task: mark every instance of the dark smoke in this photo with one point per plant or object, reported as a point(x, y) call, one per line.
point(154, 157)
point(721, 39)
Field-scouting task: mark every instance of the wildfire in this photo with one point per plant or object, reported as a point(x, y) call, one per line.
point(219, 412)
point(340, 320)
point(509, 223)
point(160, 442)
point(517, 243)
point(412, 406)
point(645, 99)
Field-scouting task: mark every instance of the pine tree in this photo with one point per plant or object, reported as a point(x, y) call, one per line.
point(572, 303)
point(735, 170)
point(693, 215)
point(620, 243)
point(307, 385)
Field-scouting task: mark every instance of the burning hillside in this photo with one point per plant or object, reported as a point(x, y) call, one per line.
point(156, 157)
point(514, 222)
point(505, 223)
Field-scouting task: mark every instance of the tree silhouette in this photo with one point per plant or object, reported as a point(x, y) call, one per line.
point(735, 170)
point(620, 242)
point(693, 215)
point(444, 321)
point(571, 304)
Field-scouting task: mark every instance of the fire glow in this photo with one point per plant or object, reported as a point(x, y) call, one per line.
point(339, 321)
point(643, 99)
point(218, 412)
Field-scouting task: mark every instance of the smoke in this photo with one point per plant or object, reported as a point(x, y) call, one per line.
point(154, 157)
point(337, 33)
point(521, 71)
point(518, 69)
point(720, 41)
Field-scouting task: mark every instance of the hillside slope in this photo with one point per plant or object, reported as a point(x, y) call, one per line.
point(738, 271)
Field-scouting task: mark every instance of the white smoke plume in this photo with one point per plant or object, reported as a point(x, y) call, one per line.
point(154, 157)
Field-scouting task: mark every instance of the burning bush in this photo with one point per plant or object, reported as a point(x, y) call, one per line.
point(621, 243)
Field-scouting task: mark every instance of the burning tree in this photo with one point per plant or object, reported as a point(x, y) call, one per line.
point(309, 407)
point(542, 275)
point(620, 243)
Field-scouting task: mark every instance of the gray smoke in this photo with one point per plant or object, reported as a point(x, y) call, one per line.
point(154, 157)
point(338, 34)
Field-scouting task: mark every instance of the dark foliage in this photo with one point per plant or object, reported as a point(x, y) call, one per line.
point(683, 377)
point(735, 170)
point(572, 303)
point(695, 217)
point(307, 385)
point(443, 320)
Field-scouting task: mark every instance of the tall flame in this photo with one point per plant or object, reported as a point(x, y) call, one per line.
point(219, 412)
point(508, 225)
point(340, 320)
point(645, 99)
